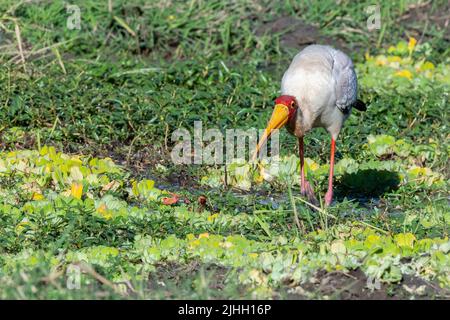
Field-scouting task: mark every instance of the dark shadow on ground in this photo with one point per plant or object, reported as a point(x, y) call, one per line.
point(365, 185)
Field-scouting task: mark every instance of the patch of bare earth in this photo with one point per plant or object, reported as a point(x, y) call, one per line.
point(353, 285)
point(297, 34)
point(420, 20)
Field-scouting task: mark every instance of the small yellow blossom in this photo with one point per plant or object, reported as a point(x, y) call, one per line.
point(313, 166)
point(76, 190)
point(102, 208)
point(48, 168)
point(405, 74)
point(260, 177)
point(212, 217)
point(381, 60)
point(411, 44)
point(203, 235)
point(37, 196)
point(104, 212)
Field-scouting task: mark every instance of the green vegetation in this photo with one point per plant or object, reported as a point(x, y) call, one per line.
point(87, 184)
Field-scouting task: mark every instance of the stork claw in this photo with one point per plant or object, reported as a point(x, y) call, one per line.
point(307, 190)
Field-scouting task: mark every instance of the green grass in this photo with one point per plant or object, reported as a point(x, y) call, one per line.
point(120, 86)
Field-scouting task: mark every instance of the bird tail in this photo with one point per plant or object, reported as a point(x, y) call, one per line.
point(360, 105)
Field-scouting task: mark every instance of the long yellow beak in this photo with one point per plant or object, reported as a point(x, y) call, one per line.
point(278, 119)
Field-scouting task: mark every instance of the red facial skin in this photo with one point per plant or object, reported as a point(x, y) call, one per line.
point(288, 101)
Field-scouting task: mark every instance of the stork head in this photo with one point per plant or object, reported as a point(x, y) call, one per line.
point(285, 109)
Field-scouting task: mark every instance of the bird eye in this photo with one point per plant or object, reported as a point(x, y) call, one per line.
point(292, 104)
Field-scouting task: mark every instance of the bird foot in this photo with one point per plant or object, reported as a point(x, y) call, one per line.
point(307, 191)
point(328, 198)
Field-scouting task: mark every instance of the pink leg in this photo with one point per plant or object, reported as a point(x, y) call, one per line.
point(305, 186)
point(329, 194)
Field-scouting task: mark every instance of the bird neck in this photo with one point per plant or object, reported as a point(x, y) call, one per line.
point(295, 124)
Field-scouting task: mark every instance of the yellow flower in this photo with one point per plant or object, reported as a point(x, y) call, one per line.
point(76, 190)
point(104, 212)
point(102, 208)
point(405, 74)
point(411, 44)
point(48, 168)
point(171, 17)
point(203, 235)
point(381, 60)
point(212, 217)
point(311, 165)
point(260, 177)
point(37, 196)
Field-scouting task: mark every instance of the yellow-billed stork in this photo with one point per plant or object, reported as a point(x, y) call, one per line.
point(318, 89)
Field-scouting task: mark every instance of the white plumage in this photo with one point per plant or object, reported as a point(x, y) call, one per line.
point(318, 89)
point(323, 81)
